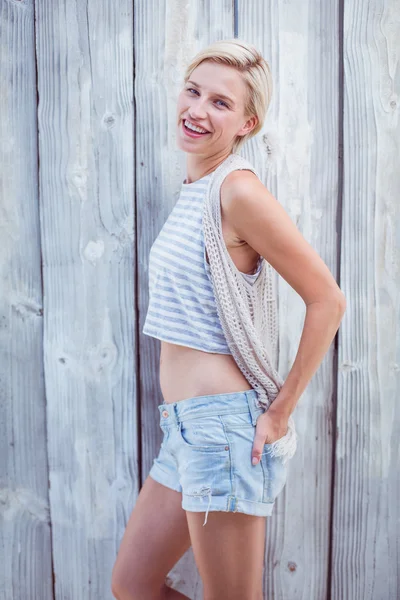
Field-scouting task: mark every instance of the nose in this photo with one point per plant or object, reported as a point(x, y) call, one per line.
point(197, 112)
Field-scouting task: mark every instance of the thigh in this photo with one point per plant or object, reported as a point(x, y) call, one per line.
point(229, 554)
point(155, 537)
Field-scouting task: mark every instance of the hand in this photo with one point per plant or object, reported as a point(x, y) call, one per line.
point(270, 427)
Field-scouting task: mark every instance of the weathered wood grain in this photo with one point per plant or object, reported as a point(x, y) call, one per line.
point(89, 172)
point(86, 149)
point(366, 526)
point(25, 530)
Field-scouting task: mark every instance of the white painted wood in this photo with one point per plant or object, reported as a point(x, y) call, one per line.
point(25, 531)
point(366, 526)
point(297, 154)
point(85, 86)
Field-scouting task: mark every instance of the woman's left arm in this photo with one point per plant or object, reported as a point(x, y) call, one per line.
point(258, 218)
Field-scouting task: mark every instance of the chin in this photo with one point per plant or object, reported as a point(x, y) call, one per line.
point(188, 147)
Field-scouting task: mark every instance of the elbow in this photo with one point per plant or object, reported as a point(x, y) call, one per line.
point(335, 301)
point(338, 302)
point(341, 302)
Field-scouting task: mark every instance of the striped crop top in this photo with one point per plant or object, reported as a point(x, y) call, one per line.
point(182, 308)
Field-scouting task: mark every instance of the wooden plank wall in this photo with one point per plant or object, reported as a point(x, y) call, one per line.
point(89, 172)
point(86, 153)
point(25, 525)
point(366, 509)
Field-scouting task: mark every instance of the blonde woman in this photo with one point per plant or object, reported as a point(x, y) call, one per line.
point(227, 425)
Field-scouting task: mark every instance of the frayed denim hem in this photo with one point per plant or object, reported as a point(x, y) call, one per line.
point(206, 502)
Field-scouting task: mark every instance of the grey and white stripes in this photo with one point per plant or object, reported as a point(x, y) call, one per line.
point(182, 307)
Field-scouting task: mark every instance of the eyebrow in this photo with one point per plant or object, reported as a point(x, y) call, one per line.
point(215, 93)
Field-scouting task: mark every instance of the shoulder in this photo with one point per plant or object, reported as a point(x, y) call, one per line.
point(241, 184)
point(238, 175)
point(242, 192)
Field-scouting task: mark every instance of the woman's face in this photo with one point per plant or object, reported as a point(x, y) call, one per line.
point(212, 99)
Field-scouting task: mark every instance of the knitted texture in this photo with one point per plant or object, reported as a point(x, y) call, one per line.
point(247, 312)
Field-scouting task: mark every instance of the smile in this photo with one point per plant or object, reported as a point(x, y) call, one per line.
point(193, 129)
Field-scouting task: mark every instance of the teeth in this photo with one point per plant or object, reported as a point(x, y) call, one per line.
point(194, 128)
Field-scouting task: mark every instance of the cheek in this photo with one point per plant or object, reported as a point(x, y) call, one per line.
point(225, 125)
point(180, 104)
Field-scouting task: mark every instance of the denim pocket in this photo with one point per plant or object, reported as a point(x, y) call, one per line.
point(237, 420)
point(275, 475)
point(206, 434)
point(243, 421)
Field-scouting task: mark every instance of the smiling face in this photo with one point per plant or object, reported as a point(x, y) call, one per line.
point(213, 99)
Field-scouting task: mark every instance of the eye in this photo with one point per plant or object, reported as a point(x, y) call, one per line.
point(196, 92)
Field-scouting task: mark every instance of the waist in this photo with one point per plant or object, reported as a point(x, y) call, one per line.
point(215, 404)
point(186, 372)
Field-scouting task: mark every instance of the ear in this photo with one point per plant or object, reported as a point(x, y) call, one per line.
point(248, 126)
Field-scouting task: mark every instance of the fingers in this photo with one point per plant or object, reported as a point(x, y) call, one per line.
point(258, 447)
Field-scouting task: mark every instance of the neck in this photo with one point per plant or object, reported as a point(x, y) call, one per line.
point(198, 166)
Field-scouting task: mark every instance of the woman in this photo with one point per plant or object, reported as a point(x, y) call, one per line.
point(211, 417)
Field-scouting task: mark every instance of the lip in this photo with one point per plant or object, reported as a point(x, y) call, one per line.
point(192, 134)
point(195, 124)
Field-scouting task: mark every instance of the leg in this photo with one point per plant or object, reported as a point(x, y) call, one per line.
point(229, 554)
point(155, 537)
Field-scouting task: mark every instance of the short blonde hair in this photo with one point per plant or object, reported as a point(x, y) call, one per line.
point(255, 72)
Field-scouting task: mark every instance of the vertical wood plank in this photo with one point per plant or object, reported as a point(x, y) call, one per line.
point(167, 36)
point(85, 76)
point(367, 511)
point(296, 154)
point(25, 532)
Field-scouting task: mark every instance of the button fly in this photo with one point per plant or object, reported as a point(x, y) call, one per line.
point(165, 413)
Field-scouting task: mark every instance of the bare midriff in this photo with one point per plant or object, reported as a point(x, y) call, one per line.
point(186, 372)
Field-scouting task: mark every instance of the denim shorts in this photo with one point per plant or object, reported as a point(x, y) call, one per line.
point(206, 455)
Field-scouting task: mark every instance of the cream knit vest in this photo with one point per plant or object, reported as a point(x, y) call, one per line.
point(247, 312)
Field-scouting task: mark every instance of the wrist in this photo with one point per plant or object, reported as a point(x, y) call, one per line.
point(280, 410)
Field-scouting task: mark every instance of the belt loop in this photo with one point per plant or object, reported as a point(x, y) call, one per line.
point(175, 412)
point(252, 406)
point(256, 409)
